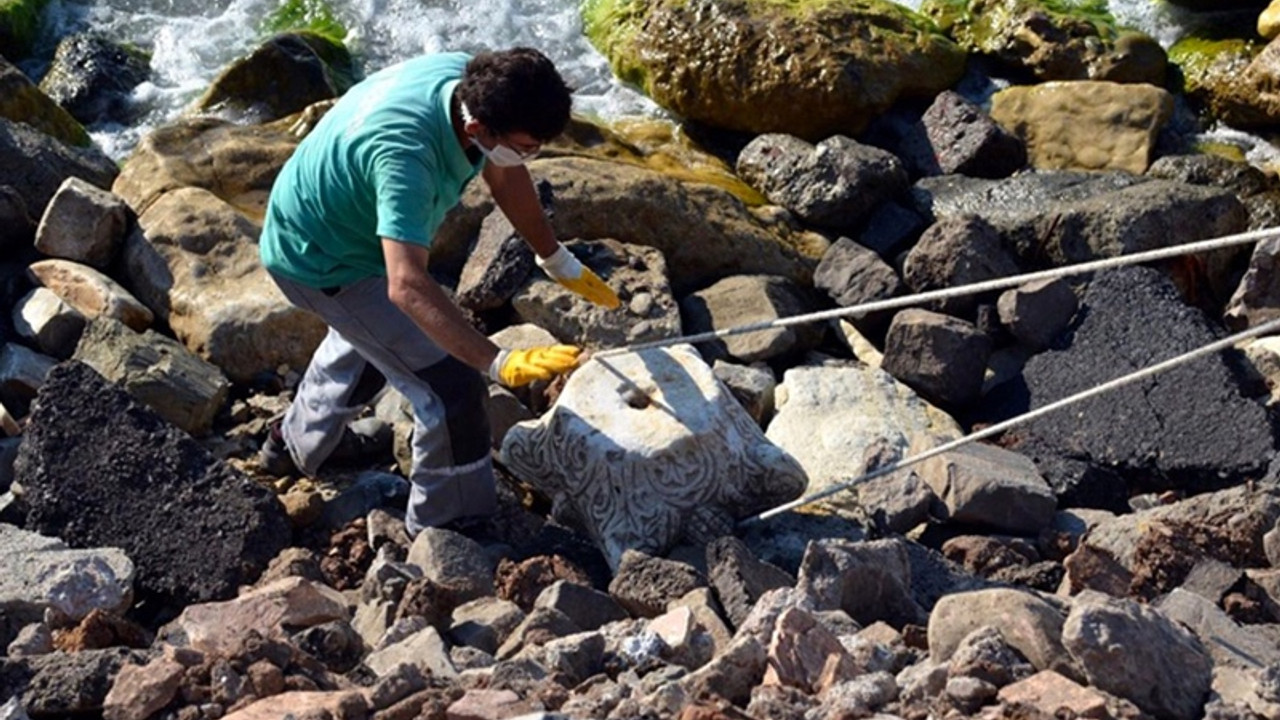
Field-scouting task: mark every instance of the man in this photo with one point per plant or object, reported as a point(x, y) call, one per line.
point(348, 233)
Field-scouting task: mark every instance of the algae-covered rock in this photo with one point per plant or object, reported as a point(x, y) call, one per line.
point(1051, 40)
point(283, 76)
point(19, 21)
point(1235, 80)
point(21, 101)
point(808, 68)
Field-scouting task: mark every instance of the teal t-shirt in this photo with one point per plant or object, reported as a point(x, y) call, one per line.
point(383, 162)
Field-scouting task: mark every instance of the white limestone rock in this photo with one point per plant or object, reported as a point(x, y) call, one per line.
point(839, 421)
point(645, 449)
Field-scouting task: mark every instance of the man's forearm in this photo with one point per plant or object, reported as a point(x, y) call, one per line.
point(513, 192)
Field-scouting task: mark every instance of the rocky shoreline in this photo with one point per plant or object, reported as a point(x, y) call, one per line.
point(1117, 560)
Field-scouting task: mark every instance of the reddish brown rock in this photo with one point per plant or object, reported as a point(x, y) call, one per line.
point(522, 582)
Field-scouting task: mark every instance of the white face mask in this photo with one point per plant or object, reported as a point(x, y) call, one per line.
point(500, 155)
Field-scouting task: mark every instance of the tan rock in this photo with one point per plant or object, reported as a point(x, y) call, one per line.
point(805, 655)
point(140, 690)
point(490, 705)
point(1269, 21)
point(91, 292)
point(1051, 693)
point(194, 261)
point(220, 627)
point(1085, 125)
point(339, 705)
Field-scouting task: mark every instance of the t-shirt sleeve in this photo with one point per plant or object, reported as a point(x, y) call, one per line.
point(406, 199)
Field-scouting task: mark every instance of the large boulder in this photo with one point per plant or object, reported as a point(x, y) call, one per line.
point(809, 69)
point(705, 232)
point(93, 77)
point(98, 469)
point(21, 101)
point(645, 449)
point(19, 21)
point(1190, 427)
point(1050, 41)
point(1085, 124)
point(281, 77)
point(1067, 217)
point(194, 261)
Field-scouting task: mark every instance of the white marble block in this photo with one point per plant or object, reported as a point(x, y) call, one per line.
point(645, 449)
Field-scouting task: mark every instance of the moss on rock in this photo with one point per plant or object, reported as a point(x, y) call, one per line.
point(810, 68)
point(19, 22)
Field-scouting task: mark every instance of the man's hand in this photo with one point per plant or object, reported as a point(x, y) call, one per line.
point(514, 368)
point(567, 270)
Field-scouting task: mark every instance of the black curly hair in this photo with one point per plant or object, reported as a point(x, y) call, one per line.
point(516, 90)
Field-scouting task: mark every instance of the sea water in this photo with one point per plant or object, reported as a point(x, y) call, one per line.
point(191, 41)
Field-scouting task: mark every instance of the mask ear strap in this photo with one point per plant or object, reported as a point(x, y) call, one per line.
point(466, 114)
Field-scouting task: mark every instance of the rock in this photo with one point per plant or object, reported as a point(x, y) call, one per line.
point(158, 372)
point(194, 261)
point(645, 585)
point(42, 572)
point(1167, 671)
point(746, 300)
point(221, 627)
point(93, 78)
point(453, 560)
point(1257, 299)
point(586, 607)
point(141, 690)
point(1164, 432)
point(1051, 43)
point(370, 490)
point(1245, 98)
point(484, 623)
point(853, 275)
point(424, 649)
point(1269, 22)
point(1214, 170)
point(65, 684)
point(957, 251)
point(35, 164)
point(841, 422)
point(22, 102)
point(538, 628)
point(83, 223)
point(497, 266)
point(17, 228)
point(941, 357)
point(87, 467)
point(1028, 624)
point(1036, 313)
point(991, 487)
point(704, 232)
point(1085, 124)
point(339, 705)
point(870, 581)
point(890, 229)
point(751, 385)
point(53, 325)
point(803, 654)
point(1229, 644)
point(964, 139)
point(1247, 690)
point(639, 276)
point(896, 503)
point(1153, 543)
point(732, 674)
point(489, 705)
point(739, 578)
point(834, 184)
point(22, 370)
point(524, 582)
point(1050, 693)
point(90, 292)
point(984, 655)
point(604, 460)
point(1070, 217)
point(281, 77)
point(716, 65)
point(34, 639)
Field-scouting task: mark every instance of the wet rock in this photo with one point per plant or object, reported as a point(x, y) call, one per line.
point(644, 585)
point(603, 458)
point(1164, 432)
point(746, 300)
point(281, 77)
point(840, 422)
point(35, 164)
point(833, 184)
point(157, 372)
point(90, 292)
point(22, 102)
point(941, 357)
point(869, 580)
point(93, 78)
point(1167, 671)
point(87, 466)
point(1085, 124)
point(638, 274)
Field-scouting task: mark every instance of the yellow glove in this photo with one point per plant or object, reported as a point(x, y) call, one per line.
point(514, 368)
point(567, 270)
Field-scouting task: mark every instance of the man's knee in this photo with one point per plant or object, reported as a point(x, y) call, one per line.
point(462, 392)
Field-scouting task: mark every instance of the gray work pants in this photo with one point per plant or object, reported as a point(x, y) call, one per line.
point(452, 475)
